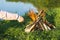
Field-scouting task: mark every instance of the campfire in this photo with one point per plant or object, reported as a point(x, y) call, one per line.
point(39, 22)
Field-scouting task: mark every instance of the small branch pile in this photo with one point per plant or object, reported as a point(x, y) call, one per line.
point(39, 22)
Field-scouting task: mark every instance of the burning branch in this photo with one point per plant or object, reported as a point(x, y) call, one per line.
point(39, 22)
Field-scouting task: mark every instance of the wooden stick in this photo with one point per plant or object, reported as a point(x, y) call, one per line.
point(50, 25)
point(39, 23)
point(29, 27)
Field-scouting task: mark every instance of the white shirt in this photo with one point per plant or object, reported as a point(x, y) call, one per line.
point(8, 16)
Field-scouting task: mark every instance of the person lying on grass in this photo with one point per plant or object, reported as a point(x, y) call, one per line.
point(10, 16)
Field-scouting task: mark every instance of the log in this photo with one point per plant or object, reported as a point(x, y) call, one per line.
point(31, 26)
point(39, 23)
point(49, 24)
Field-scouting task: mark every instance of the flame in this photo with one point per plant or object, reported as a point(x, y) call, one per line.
point(32, 15)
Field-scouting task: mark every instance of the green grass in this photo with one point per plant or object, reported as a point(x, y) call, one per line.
point(13, 30)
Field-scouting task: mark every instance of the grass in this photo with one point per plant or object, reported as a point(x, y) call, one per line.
point(13, 30)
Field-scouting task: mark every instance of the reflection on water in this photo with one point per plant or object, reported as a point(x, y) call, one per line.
point(16, 7)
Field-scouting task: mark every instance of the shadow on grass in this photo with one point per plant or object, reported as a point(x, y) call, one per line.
point(50, 16)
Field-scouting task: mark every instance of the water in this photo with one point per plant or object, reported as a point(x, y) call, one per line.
point(16, 7)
